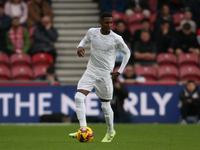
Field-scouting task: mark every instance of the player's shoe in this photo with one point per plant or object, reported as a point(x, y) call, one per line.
point(108, 137)
point(73, 135)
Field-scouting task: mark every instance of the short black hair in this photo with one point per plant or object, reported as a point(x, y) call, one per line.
point(187, 26)
point(145, 20)
point(120, 21)
point(190, 81)
point(50, 70)
point(105, 14)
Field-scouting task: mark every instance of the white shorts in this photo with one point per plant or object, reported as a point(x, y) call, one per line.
point(103, 85)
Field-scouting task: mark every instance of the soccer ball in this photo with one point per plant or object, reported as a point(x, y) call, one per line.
point(85, 134)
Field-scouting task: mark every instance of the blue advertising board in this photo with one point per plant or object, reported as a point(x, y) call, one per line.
point(149, 103)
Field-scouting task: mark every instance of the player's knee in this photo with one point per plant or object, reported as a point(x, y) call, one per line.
point(105, 105)
point(79, 97)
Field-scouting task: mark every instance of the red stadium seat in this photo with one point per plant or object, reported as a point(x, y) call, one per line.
point(20, 59)
point(134, 27)
point(22, 73)
point(42, 59)
point(136, 18)
point(39, 71)
point(4, 60)
point(148, 72)
point(4, 73)
point(117, 16)
point(166, 59)
point(189, 73)
point(188, 59)
point(168, 73)
point(178, 17)
point(153, 5)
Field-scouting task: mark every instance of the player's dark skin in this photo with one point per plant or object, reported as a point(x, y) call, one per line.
point(106, 25)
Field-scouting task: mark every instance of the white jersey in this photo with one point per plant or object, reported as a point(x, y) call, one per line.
point(103, 51)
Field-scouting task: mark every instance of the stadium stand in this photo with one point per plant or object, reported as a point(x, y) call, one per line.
point(189, 73)
point(166, 59)
point(118, 16)
point(20, 59)
point(42, 59)
point(24, 73)
point(153, 5)
point(4, 59)
point(134, 21)
point(136, 18)
point(39, 71)
point(168, 73)
point(134, 27)
point(178, 17)
point(5, 74)
point(188, 59)
point(148, 72)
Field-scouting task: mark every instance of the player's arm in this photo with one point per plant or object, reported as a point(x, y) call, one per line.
point(125, 50)
point(84, 42)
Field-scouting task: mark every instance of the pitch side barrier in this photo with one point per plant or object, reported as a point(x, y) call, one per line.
point(25, 104)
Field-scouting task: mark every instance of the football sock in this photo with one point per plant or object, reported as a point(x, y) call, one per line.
point(80, 108)
point(108, 113)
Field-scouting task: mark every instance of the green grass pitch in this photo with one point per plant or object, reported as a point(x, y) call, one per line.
point(128, 137)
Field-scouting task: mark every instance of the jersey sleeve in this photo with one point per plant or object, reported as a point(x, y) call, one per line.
point(125, 50)
point(84, 42)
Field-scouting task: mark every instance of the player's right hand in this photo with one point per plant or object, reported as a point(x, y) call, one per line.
point(81, 52)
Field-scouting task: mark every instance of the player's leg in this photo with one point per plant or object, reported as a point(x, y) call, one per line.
point(108, 113)
point(80, 109)
point(80, 106)
point(104, 90)
point(85, 85)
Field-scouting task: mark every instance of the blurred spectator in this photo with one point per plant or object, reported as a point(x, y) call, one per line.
point(126, 35)
point(120, 93)
point(38, 9)
point(5, 21)
point(186, 41)
point(137, 6)
point(165, 38)
point(164, 15)
point(17, 8)
point(121, 30)
point(17, 38)
point(113, 6)
point(188, 19)
point(145, 51)
point(189, 101)
point(44, 37)
point(196, 12)
point(145, 26)
point(50, 76)
point(129, 77)
point(185, 4)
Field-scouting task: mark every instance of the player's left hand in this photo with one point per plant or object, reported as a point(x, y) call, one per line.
point(115, 74)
